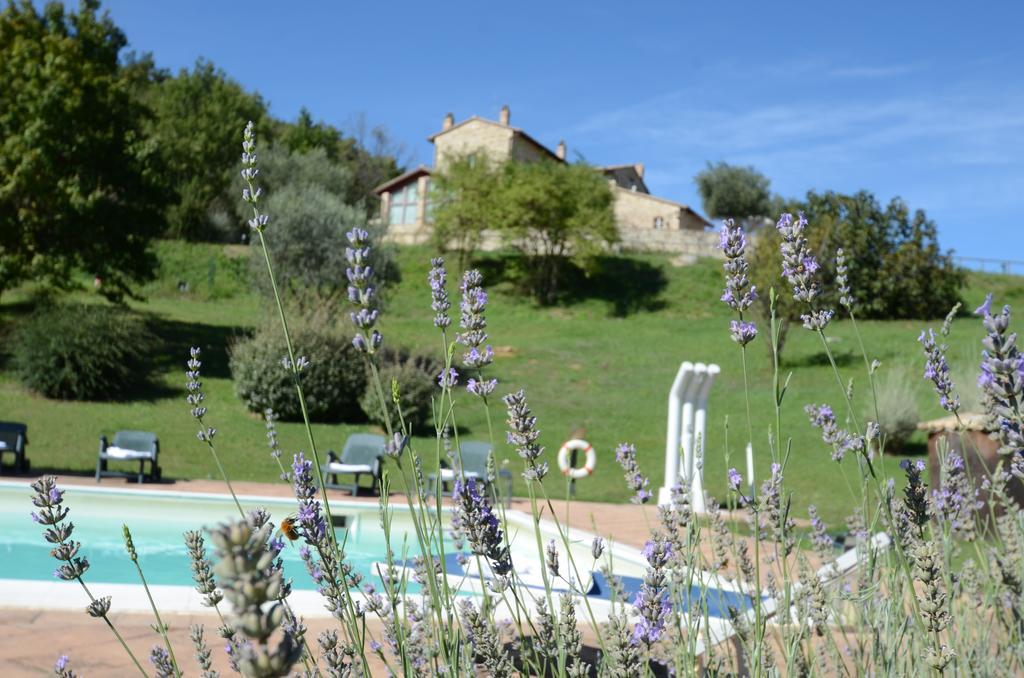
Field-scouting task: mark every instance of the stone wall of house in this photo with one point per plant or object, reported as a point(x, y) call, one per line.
point(635, 211)
point(473, 136)
point(524, 150)
point(686, 244)
point(689, 245)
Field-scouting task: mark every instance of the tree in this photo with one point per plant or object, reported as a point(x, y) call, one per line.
point(464, 197)
point(309, 219)
point(896, 268)
point(551, 213)
point(734, 192)
point(195, 125)
point(77, 189)
point(367, 154)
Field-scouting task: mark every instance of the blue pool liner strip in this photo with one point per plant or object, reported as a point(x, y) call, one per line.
point(716, 601)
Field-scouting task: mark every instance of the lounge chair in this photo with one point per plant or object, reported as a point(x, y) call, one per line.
point(474, 465)
point(13, 437)
point(360, 456)
point(140, 446)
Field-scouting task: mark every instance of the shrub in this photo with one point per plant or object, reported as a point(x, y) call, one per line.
point(82, 352)
point(417, 384)
point(307, 236)
point(332, 383)
point(897, 408)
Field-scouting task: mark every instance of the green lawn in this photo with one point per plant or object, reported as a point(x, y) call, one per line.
point(603, 362)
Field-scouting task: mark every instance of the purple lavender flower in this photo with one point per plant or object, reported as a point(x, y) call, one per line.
point(473, 335)
point(310, 516)
point(734, 479)
point(448, 378)
point(956, 500)
point(652, 603)
point(820, 539)
point(625, 454)
point(161, 662)
point(474, 517)
point(985, 309)
point(818, 320)
point(842, 441)
point(523, 434)
point(60, 668)
point(1002, 378)
point(438, 279)
point(49, 499)
point(739, 294)
point(361, 291)
point(742, 331)
point(937, 369)
point(798, 264)
point(481, 387)
point(799, 268)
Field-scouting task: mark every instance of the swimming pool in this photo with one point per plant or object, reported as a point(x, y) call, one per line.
point(158, 519)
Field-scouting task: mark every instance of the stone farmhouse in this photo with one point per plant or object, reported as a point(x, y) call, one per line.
point(645, 222)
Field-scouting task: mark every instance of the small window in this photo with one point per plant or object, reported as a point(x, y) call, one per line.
point(659, 223)
point(404, 205)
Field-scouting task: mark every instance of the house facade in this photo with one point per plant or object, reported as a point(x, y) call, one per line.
point(645, 221)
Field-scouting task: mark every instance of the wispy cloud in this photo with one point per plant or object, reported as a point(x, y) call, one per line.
point(874, 72)
point(956, 128)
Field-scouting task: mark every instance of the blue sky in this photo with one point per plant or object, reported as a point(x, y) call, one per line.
point(921, 100)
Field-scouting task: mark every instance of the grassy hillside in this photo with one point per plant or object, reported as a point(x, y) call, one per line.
point(603, 362)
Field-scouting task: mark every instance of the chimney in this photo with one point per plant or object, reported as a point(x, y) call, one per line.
point(560, 150)
point(505, 115)
point(449, 120)
point(639, 167)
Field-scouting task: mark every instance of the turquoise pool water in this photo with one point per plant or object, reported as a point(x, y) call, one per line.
point(157, 521)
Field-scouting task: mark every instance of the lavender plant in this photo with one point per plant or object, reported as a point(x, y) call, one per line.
point(904, 612)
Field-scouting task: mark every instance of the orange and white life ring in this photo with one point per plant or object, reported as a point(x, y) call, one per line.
point(588, 465)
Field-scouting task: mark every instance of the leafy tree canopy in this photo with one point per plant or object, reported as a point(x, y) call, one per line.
point(195, 123)
point(896, 268)
point(549, 212)
point(76, 180)
point(731, 191)
point(368, 154)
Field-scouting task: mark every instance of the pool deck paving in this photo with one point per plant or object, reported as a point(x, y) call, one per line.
point(31, 640)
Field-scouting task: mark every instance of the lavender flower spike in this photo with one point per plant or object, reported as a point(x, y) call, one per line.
point(1002, 378)
point(843, 281)
point(49, 500)
point(473, 335)
point(310, 516)
point(625, 454)
point(798, 264)
point(799, 268)
point(438, 278)
point(523, 435)
point(60, 668)
point(739, 294)
point(937, 369)
point(652, 602)
point(822, 417)
point(361, 291)
point(474, 517)
point(742, 331)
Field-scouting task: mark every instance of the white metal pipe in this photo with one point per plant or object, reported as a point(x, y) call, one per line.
point(672, 438)
point(689, 395)
point(700, 417)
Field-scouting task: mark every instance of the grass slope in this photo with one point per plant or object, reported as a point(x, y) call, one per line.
point(603, 362)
